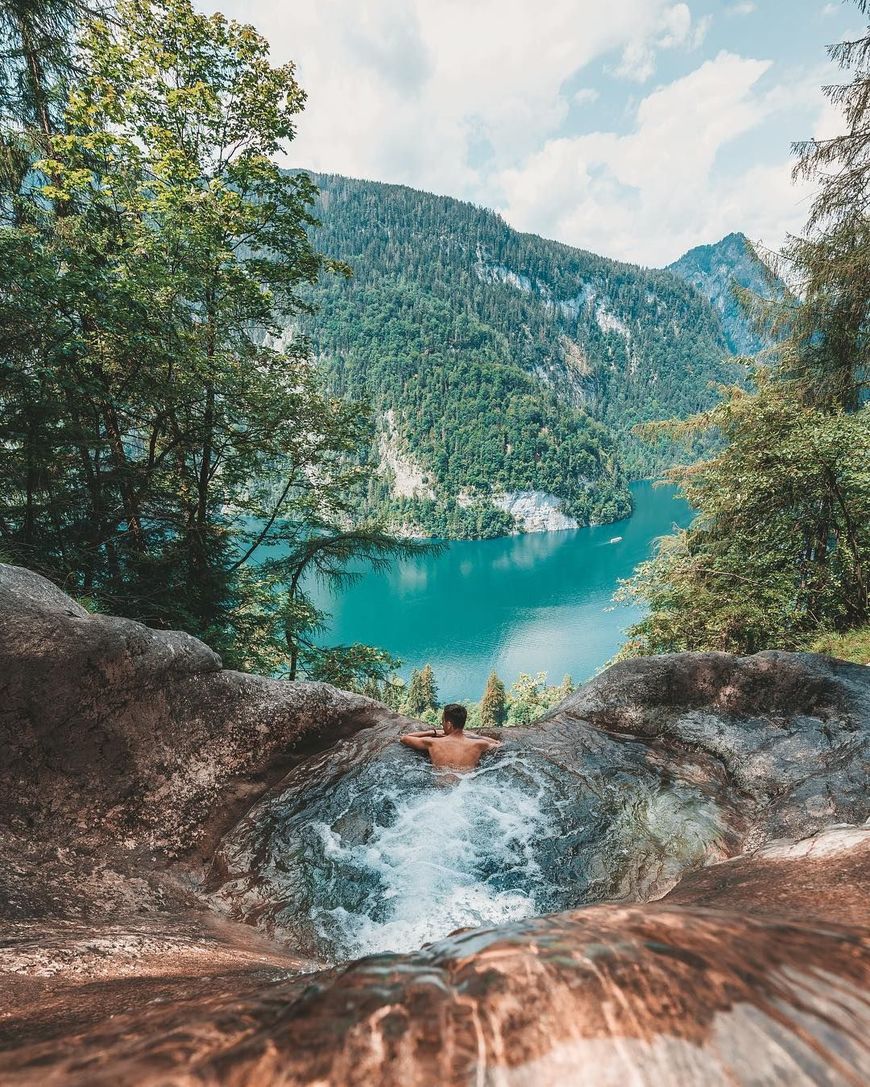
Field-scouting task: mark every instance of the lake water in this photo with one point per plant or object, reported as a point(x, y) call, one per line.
point(534, 603)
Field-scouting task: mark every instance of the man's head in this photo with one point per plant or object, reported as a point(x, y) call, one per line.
point(453, 717)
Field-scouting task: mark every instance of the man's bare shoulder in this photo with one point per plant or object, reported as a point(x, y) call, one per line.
point(485, 741)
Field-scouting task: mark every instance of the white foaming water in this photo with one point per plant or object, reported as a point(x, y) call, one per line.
point(458, 853)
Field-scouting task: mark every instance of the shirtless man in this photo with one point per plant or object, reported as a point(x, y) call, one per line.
point(451, 749)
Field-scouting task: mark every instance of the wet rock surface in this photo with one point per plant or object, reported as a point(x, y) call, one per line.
point(151, 802)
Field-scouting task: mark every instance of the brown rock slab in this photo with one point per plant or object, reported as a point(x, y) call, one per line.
point(129, 760)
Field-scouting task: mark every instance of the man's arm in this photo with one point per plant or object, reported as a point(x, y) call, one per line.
point(490, 745)
point(419, 741)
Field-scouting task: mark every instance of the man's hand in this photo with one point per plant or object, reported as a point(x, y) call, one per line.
point(418, 740)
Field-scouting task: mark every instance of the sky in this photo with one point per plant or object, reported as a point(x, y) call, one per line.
point(633, 128)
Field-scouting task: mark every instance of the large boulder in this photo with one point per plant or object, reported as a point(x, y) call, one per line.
point(150, 801)
point(111, 731)
point(790, 730)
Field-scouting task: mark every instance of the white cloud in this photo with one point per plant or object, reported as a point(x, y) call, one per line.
point(831, 9)
point(744, 7)
point(637, 63)
point(402, 90)
point(653, 193)
point(674, 29)
point(676, 26)
point(474, 97)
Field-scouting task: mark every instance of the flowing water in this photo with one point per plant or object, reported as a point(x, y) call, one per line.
point(441, 854)
point(370, 849)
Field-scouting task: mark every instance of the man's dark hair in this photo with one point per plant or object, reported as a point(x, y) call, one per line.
point(455, 714)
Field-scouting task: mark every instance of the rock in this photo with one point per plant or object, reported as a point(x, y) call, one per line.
point(535, 511)
point(654, 996)
point(110, 730)
point(791, 731)
point(145, 792)
point(821, 878)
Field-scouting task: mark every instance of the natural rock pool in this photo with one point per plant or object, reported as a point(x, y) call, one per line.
point(182, 786)
point(367, 848)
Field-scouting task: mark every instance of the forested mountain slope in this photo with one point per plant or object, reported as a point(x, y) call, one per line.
point(498, 362)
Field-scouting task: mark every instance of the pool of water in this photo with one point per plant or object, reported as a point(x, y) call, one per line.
point(367, 848)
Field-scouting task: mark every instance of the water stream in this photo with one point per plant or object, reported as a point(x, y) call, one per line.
point(370, 849)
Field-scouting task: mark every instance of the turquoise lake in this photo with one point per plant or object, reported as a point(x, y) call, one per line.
point(534, 603)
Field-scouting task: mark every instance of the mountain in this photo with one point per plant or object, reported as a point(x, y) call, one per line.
point(714, 270)
point(505, 371)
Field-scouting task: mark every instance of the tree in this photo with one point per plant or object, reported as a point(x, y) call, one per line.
point(528, 698)
point(359, 668)
point(780, 545)
point(493, 706)
point(565, 688)
point(780, 549)
point(37, 61)
point(414, 704)
point(422, 697)
point(428, 689)
point(286, 621)
point(159, 429)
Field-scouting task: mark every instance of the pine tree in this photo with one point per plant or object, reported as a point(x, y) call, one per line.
point(428, 688)
point(493, 706)
point(565, 688)
point(415, 703)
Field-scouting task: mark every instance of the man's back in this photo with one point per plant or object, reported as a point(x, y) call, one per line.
point(451, 749)
point(458, 752)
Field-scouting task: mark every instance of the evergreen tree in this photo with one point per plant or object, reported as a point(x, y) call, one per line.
point(324, 552)
point(565, 688)
point(415, 702)
point(421, 699)
point(428, 689)
point(493, 706)
point(779, 552)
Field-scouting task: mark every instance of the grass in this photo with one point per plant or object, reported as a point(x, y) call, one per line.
point(854, 645)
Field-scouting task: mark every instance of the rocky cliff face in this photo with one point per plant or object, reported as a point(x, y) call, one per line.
point(715, 270)
point(156, 813)
point(535, 511)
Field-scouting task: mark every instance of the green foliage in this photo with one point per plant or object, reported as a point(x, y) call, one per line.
point(493, 705)
point(782, 536)
point(157, 428)
point(779, 552)
point(529, 698)
point(854, 645)
point(508, 362)
point(311, 551)
point(421, 699)
point(445, 518)
point(358, 668)
point(37, 65)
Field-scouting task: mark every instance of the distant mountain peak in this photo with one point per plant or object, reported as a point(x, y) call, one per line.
point(714, 270)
